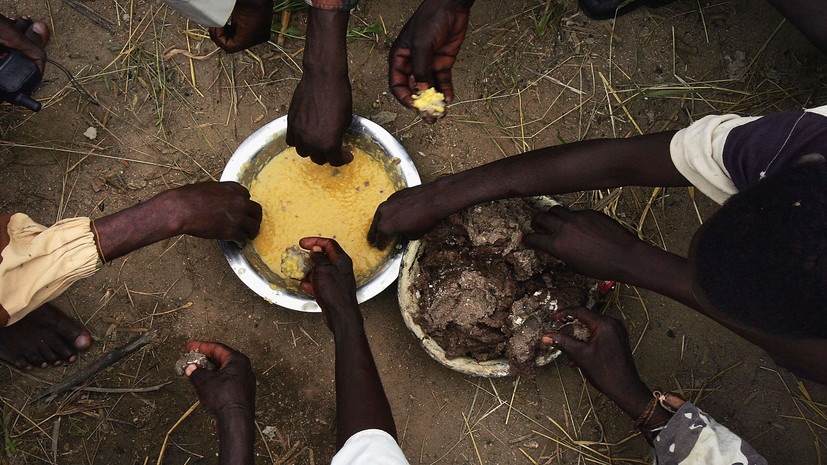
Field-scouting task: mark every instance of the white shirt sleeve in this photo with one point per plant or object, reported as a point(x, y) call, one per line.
point(209, 13)
point(698, 153)
point(370, 447)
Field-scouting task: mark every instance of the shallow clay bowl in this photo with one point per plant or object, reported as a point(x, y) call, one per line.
point(409, 305)
point(248, 160)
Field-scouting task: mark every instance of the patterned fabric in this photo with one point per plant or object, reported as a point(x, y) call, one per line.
point(693, 438)
point(338, 5)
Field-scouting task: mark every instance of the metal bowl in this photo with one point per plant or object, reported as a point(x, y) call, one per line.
point(260, 148)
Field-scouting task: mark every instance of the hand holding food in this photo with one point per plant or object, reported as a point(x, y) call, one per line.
point(426, 49)
point(229, 391)
point(605, 360)
point(332, 283)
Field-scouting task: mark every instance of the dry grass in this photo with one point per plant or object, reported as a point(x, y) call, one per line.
point(546, 76)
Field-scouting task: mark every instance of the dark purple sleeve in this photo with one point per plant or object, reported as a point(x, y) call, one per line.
point(765, 146)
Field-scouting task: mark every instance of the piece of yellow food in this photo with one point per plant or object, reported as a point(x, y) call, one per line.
point(430, 103)
point(300, 198)
point(295, 262)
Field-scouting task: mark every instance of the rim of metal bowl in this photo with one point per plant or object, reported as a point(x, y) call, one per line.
point(248, 150)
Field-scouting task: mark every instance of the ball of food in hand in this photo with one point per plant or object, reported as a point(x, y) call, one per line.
point(193, 357)
point(429, 103)
point(295, 263)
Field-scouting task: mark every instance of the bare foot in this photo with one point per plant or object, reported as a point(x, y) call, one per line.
point(44, 336)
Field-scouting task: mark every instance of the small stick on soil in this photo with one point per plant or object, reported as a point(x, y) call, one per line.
point(93, 15)
point(55, 434)
point(166, 438)
point(473, 441)
point(100, 364)
point(125, 390)
point(511, 404)
point(285, 20)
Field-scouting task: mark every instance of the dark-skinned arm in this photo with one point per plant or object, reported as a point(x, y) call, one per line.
point(229, 395)
point(209, 210)
point(594, 164)
point(360, 399)
point(322, 104)
point(361, 403)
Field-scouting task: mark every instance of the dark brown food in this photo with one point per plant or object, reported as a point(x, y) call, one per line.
point(481, 293)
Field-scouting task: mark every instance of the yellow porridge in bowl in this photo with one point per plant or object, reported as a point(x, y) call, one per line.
point(300, 198)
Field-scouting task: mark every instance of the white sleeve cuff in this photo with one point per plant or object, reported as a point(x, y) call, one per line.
point(697, 152)
point(209, 13)
point(370, 447)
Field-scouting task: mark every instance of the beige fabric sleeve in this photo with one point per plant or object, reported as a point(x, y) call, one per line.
point(39, 263)
point(697, 152)
point(208, 13)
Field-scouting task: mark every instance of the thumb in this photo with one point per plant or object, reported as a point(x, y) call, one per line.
point(199, 377)
point(569, 345)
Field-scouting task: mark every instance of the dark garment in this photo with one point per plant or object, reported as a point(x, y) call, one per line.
point(765, 146)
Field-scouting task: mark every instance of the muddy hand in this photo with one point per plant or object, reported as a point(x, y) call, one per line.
point(249, 25)
point(606, 360)
point(26, 36)
point(332, 283)
point(589, 242)
point(426, 49)
point(215, 210)
point(231, 389)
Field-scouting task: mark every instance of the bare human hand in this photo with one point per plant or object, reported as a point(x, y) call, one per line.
point(215, 210)
point(426, 49)
point(27, 36)
point(605, 360)
point(588, 241)
point(322, 105)
point(231, 389)
point(320, 111)
point(409, 213)
point(249, 25)
point(332, 283)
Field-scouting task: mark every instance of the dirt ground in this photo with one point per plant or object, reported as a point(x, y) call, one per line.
point(517, 90)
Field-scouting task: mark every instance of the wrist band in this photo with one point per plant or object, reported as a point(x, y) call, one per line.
point(668, 401)
point(98, 242)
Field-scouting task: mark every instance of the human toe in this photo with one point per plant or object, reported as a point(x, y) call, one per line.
point(83, 341)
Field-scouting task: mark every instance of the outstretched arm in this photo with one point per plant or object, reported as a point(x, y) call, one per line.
point(210, 210)
point(322, 105)
point(361, 403)
point(594, 164)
